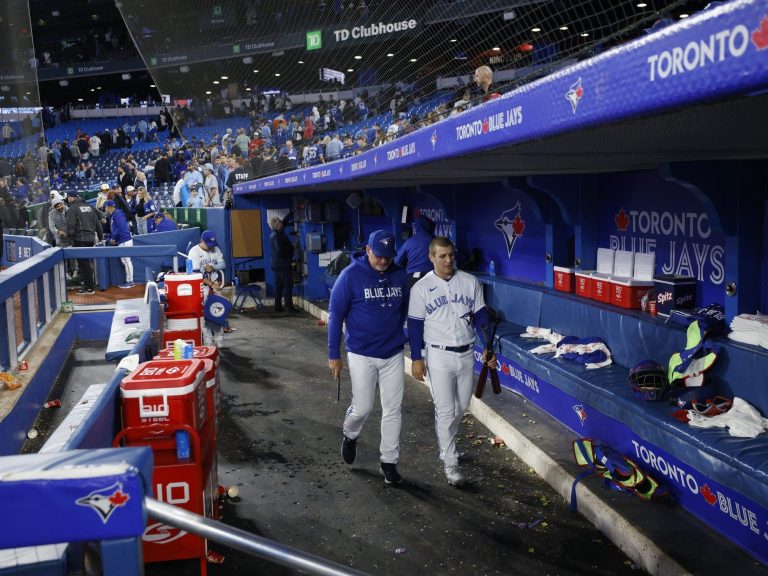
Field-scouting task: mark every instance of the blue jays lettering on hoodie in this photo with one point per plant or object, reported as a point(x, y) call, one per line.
point(414, 253)
point(374, 306)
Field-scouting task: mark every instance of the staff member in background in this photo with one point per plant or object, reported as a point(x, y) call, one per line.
point(445, 309)
point(371, 296)
point(281, 255)
point(83, 227)
point(120, 235)
point(414, 253)
point(163, 223)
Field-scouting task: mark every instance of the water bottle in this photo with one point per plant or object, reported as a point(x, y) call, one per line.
point(182, 445)
point(189, 352)
point(189, 266)
point(492, 268)
point(178, 349)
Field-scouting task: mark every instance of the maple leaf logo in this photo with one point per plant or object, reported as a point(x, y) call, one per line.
point(505, 368)
point(485, 126)
point(511, 226)
point(708, 495)
point(760, 36)
point(518, 225)
point(119, 498)
point(622, 220)
point(433, 139)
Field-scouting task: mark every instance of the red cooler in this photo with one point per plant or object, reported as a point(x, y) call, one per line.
point(184, 295)
point(164, 392)
point(601, 287)
point(564, 279)
point(584, 284)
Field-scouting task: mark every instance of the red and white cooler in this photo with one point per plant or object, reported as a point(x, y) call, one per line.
point(585, 279)
point(601, 287)
point(184, 295)
point(564, 279)
point(627, 292)
point(164, 392)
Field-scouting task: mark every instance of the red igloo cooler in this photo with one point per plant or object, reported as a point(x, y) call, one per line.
point(184, 295)
point(164, 392)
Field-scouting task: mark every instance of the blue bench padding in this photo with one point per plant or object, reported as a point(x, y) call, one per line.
point(739, 463)
point(632, 336)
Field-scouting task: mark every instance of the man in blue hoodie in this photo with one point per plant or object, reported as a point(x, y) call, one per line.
point(371, 296)
point(414, 253)
point(120, 235)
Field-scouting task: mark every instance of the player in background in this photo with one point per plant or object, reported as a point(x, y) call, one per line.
point(445, 311)
point(414, 253)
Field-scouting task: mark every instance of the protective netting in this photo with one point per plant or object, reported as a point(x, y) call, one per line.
point(392, 54)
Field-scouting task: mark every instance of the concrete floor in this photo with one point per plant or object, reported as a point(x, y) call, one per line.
point(279, 439)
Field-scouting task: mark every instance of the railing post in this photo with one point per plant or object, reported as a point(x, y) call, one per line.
point(122, 557)
point(45, 302)
point(10, 355)
point(31, 336)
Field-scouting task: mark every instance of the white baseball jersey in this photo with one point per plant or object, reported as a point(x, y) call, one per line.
point(447, 307)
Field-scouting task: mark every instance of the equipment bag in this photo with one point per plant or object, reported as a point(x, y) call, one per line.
point(616, 470)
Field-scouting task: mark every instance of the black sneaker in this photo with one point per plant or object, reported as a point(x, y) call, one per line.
point(349, 450)
point(86, 291)
point(390, 473)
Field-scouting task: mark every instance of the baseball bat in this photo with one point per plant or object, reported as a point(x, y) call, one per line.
point(480, 388)
point(338, 388)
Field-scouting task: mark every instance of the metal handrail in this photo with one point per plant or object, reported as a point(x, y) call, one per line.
point(245, 541)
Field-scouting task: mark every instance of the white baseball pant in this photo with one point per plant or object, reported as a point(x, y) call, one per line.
point(450, 376)
point(365, 372)
point(127, 263)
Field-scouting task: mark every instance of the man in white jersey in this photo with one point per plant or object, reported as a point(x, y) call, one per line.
point(208, 259)
point(445, 310)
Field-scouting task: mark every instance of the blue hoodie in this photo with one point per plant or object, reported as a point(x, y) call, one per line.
point(414, 253)
point(118, 227)
point(374, 305)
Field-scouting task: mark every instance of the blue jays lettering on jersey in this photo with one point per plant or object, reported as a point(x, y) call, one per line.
point(374, 306)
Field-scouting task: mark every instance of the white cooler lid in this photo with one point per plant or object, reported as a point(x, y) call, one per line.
point(605, 258)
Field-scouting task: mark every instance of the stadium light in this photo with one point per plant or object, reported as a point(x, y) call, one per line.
point(350, 70)
point(496, 49)
point(255, 71)
point(535, 29)
point(216, 82)
point(584, 34)
point(390, 55)
point(358, 57)
point(225, 77)
point(683, 16)
point(301, 61)
point(563, 27)
point(453, 40)
point(277, 74)
point(642, 5)
point(413, 59)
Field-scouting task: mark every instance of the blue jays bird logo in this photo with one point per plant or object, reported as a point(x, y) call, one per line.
point(511, 225)
point(574, 94)
point(105, 501)
point(580, 412)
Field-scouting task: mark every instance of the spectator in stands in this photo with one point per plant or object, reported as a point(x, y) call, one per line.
point(123, 178)
point(5, 192)
point(9, 134)
point(145, 212)
point(180, 192)
point(361, 146)
point(348, 149)
point(80, 172)
point(57, 223)
point(90, 171)
point(309, 130)
point(393, 131)
point(102, 197)
point(195, 199)
point(22, 190)
point(484, 79)
point(106, 140)
point(288, 157)
point(140, 181)
point(193, 176)
point(242, 142)
point(95, 145)
point(333, 148)
point(120, 235)
point(211, 184)
point(362, 109)
point(141, 129)
point(83, 146)
point(83, 228)
point(164, 223)
point(74, 153)
point(163, 169)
